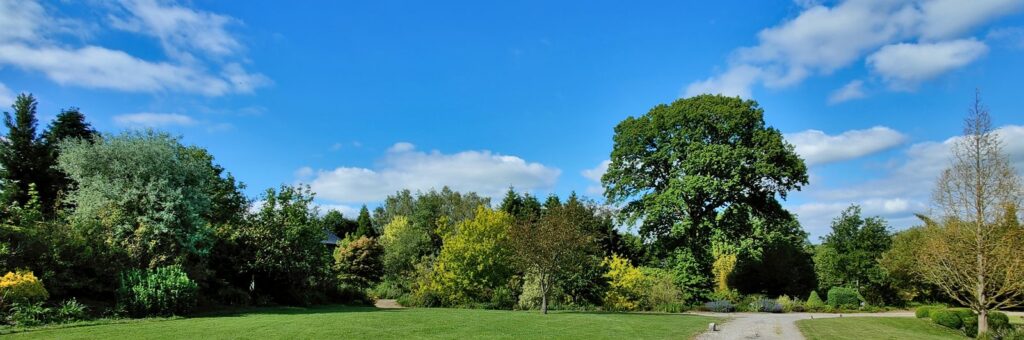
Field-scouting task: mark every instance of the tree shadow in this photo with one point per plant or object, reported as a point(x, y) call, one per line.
point(289, 310)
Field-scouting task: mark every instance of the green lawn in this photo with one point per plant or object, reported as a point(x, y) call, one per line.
point(372, 323)
point(1016, 319)
point(871, 328)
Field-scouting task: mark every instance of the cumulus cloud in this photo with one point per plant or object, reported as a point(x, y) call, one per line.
point(28, 41)
point(903, 189)
point(904, 66)
point(817, 147)
point(824, 38)
point(850, 91)
point(404, 167)
point(153, 120)
point(594, 175)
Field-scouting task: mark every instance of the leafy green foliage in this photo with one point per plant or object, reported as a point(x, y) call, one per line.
point(436, 212)
point(475, 260)
point(677, 166)
point(848, 256)
point(28, 314)
point(146, 193)
point(901, 267)
point(946, 318)
point(280, 248)
point(404, 245)
point(336, 223)
point(160, 291)
point(70, 310)
point(844, 297)
point(926, 311)
point(814, 301)
point(359, 263)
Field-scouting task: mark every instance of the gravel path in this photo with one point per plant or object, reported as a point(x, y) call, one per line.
point(387, 303)
point(773, 326)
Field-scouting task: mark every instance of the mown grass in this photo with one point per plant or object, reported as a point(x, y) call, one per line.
point(371, 323)
point(872, 328)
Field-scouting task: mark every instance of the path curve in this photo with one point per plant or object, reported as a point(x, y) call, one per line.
point(773, 326)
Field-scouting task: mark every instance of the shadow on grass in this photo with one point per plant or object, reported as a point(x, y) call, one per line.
point(289, 310)
point(248, 311)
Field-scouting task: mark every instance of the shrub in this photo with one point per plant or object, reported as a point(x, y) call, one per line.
point(22, 287)
point(359, 263)
point(962, 312)
point(160, 291)
point(998, 320)
point(947, 318)
point(970, 326)
point(29, 313)
point(790, 305)
point(659, 291)
point(720, 306)
point(843, 297)
point(70, 310)
point(814, 302)
point(626, 284)
point(749, 303)
point(769, 306)
point(925, 311)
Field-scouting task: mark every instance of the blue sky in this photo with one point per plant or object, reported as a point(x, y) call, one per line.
point(361, 99)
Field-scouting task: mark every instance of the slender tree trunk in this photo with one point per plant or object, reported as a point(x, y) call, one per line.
point(543, 295)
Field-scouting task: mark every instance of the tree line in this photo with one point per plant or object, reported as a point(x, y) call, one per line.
point(692, 213)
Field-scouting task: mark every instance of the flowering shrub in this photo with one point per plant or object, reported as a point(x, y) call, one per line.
point(22, 286)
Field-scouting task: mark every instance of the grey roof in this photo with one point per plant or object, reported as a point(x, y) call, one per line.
point(330, 238)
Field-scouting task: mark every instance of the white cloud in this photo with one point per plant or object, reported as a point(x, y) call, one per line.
point(347, 211)
point(944, 19)
point(1009, 36)
point(148, 119)
point(735, 82)
point(594, 175)
point(404, 167)
point(904, 66)
point(824, 38)
point(850, 91)
point(902, 190)
point(26, 41)
point(98, 67)
point(817, 147)
point(179, 29)
point(6, 97)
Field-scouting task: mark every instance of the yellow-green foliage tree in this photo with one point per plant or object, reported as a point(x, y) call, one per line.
point(626, 284)
point(973, 250)
point(476, 258)
point(404, 244)
point(21, 286)
point(723, 266)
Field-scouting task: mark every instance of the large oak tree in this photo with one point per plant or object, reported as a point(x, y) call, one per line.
point(677, 167)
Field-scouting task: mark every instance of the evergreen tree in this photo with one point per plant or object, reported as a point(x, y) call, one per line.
point(69, 124)
point(20, 153)
point(365, 227)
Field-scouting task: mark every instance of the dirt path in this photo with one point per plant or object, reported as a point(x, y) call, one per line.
point(773, 326)
point(387, 303)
